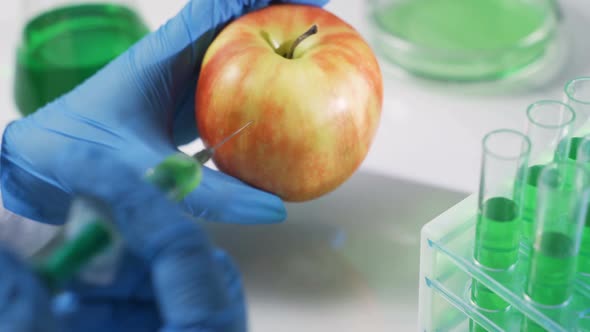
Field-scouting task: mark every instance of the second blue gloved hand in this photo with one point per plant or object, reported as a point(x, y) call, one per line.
point(140, 104)
point(194, 287)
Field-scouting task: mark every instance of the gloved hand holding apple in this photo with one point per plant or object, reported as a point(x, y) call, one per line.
point(313, 88)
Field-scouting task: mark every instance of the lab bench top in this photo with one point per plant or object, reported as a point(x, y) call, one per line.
point(349, 261)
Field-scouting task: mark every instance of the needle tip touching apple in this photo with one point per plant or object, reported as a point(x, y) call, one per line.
point(313, 88)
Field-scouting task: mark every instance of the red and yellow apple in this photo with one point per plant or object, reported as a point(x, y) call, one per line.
point(313, 88)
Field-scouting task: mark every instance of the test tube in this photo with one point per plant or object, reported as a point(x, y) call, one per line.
point(583, 158)
point(549, 124)
point(497, 230)
point(562, 207)
point(577, 96)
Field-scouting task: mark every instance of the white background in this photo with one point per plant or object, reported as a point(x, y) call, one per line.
point(349, 261)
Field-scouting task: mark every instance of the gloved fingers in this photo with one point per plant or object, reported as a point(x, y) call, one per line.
point(199, 291)
point(120, 183)
point(188, 281)
point(127, 303)
point(184, 128)
point(24, 303)
point(218, 198)
point(141, 212)
point(156, 73)
point(157, 76)
point(222, 198)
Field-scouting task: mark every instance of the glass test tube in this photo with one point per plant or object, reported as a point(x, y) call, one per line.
point(64, 42)
point(583, 158)
point(497, 230)
point(577, 96)
point(562, 207)
point(548, 125)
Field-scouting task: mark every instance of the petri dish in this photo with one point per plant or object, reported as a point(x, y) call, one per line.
point(463, 40)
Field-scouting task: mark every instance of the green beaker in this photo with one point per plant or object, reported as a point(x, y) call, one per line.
point(63, 43)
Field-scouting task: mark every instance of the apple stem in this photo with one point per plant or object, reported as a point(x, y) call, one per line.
point(310, 32)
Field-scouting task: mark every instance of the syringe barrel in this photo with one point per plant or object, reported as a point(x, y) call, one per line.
point(177, 176)
point(87, 236)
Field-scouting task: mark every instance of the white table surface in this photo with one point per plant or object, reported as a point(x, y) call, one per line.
point(349, 261)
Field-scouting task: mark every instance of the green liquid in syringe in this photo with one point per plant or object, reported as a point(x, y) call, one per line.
point(63, 47)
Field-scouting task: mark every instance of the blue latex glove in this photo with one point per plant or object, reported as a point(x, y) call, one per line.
point(195, 287)
point(141, 103)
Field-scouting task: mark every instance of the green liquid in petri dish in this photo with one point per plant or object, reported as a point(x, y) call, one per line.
point(63, 47)
point(497, 234)
point(476, 39)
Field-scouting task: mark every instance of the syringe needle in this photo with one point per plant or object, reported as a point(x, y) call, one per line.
point(234, 134)
point(205, 155)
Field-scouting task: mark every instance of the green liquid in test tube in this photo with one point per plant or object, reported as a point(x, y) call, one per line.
point(94, 240)
point(497, 234)
point(584, 254)
point(561, 215)
point(577, 96)
point(549, 124)
point(65, 45)
point(498, 229)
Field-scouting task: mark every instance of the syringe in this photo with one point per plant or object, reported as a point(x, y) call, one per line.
point(90, 240)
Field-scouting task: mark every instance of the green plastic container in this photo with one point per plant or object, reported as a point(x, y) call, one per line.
point(64, 46)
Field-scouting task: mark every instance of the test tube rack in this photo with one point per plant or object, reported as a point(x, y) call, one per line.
point(448, 270)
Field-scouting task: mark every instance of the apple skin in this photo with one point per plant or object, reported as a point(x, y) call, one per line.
point(315, 115)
